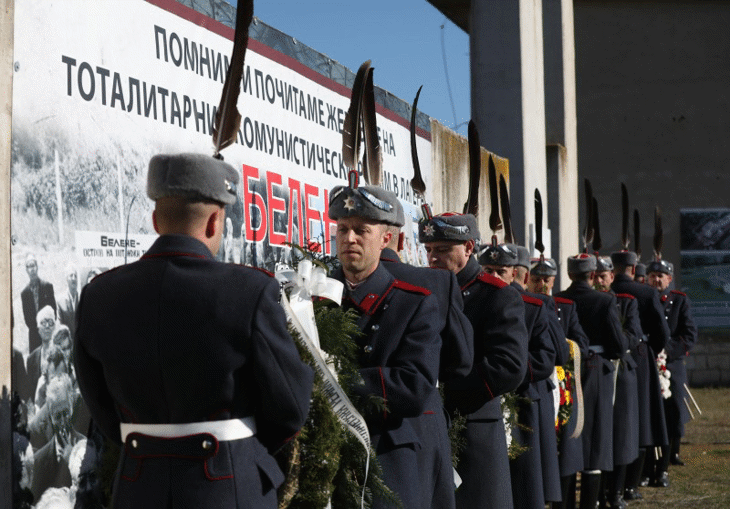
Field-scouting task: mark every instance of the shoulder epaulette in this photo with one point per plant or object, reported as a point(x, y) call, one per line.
point(268, 273)
point(491, 280)
point(563, 300)
point(625, 296)
point(411, 288)
point(531, 300)
point(679, 293)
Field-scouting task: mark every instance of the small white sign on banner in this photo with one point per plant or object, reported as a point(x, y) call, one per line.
point(109, 249)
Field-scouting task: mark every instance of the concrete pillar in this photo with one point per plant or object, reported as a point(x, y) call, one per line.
point(561, 129)
point(508, 97)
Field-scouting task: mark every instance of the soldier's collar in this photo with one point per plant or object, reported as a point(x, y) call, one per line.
point(367, 295)
point(178, 245)
point(389, 255)
point(470, 271)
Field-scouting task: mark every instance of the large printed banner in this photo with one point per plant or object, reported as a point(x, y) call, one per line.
point(100, 87)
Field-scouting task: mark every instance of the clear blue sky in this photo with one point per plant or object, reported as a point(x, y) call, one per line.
point(401, 37)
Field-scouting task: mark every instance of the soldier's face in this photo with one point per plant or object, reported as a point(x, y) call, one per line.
point(447, 255)
point(506, 274)
point(659, 280)
point(359, 243)
point(603, 280)
point(541, 284)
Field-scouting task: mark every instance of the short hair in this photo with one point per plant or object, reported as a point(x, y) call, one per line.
point(580, 276)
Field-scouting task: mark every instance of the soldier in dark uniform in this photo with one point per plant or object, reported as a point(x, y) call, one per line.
point(457, 351)
point(457, 356)
point(546, 388)
point(400, 347)
point(187, 361)
point(542, 279)
point(683, 336)
point(640, 273)
point(526, 472)
point(652, 431)
point(598, 316)
point(496, 313)
point(626, 405)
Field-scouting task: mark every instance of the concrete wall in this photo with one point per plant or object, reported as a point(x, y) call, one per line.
point(653, 83)
point(652, 94)
point(450, 176)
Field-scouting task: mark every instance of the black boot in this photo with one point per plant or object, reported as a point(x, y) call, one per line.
point(590, 485)
point(661, 477)
point(567, 489)
point(674, 458)
point(633, 477)
point(615, 495)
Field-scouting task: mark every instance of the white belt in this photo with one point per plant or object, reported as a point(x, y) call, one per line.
point(231, 429)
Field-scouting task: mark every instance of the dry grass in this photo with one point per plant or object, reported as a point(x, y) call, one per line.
point(704, 481)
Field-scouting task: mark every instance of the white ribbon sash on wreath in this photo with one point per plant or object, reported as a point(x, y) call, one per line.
point(309, 281)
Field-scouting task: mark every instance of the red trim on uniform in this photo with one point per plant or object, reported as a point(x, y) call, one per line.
point(208, 476)
point(386, 259)
point(375, 300)
point(486, 384)
point(411, 288)
point(385, 396)
point(678, 293)
point(563, 300)
point(429, 412)
point(529, 366)
point(531, 300)
point(625, 296)
point(492, 280)
point(128, 413)
point(136, 473)
point(664, 298)
point(268, 273)
point(171, 254)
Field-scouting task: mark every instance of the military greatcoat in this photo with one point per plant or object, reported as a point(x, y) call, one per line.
point(398, 361)
point(526, 470)
point(571, 449)
point(678, 312)
point(598, 316)
point(457, 356)
point(496, 313)
point(178, 337)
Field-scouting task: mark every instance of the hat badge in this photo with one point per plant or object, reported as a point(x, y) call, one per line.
point(349, 203)
point(428, 230)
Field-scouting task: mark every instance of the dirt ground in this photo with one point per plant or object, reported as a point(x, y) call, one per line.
point(704, 481)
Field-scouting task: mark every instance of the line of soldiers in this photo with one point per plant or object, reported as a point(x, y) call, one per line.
point(186, 361)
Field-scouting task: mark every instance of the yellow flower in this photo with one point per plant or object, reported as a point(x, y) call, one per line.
point(561, 373)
